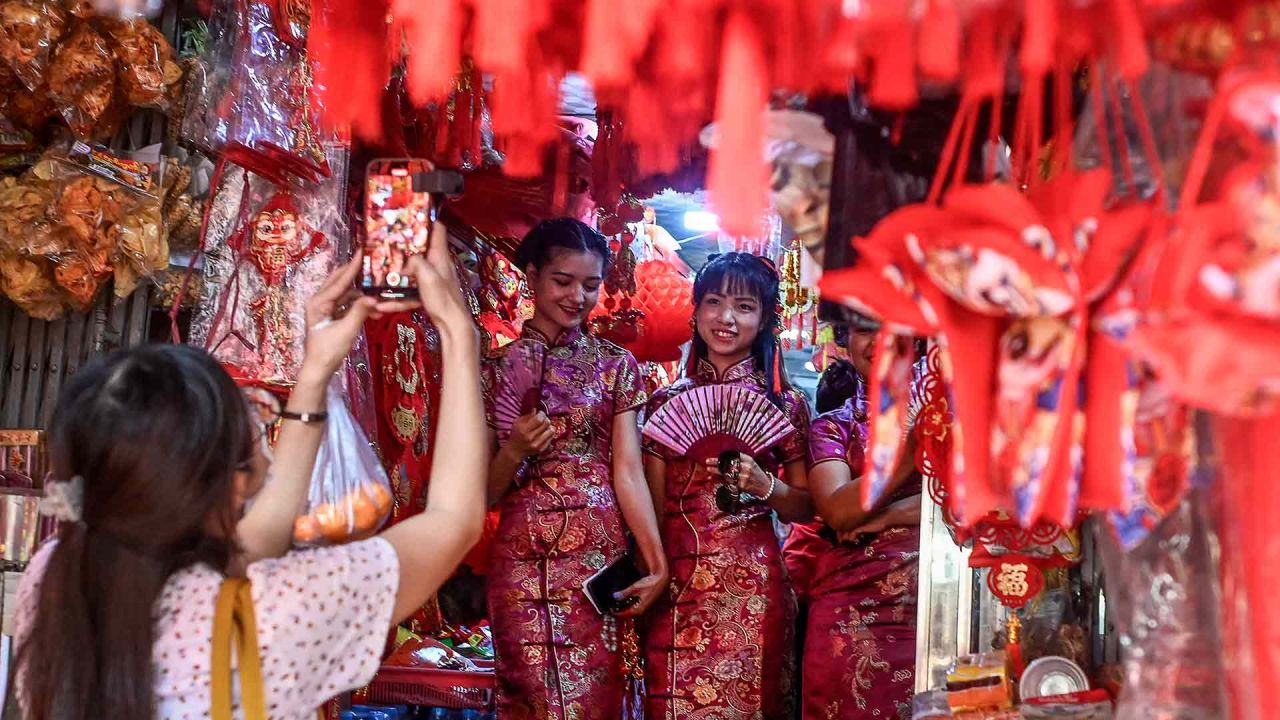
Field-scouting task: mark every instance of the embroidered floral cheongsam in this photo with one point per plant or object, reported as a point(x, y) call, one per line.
point(720, 646)
point(559, 525)
point(860, 647)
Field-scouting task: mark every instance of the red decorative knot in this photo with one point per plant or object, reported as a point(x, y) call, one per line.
point(1015, 580)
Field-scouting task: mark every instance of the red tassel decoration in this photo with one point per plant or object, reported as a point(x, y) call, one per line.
point(1102, 485)
point(893, 81)
point(971, 342)
point(347, 45)
point(1250, 553)
point(604, 58)
point(738, 177)
point(610, 48)
point(1132, 58)
point(939, 42)
point(840, 57)
point(1039, 33)
point(776, 380)
point(504, 30)
point(433, 31)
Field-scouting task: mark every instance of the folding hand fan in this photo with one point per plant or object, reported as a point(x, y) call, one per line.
point(708, 420)
point(519, 384)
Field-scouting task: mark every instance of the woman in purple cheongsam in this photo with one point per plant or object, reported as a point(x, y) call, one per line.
point(568, 480)
point(860, 644)
point(721, 644)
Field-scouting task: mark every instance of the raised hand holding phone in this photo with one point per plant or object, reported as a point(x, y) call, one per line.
point(402, 198)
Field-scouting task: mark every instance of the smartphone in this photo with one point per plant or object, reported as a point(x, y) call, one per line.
point(397, 225)
point(618, 576)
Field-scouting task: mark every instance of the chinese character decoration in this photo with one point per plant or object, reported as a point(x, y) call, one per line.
point(404, 355)
point(1015, 580)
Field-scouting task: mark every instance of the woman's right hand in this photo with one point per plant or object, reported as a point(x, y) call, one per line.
point(440, 289)
point(530, 435)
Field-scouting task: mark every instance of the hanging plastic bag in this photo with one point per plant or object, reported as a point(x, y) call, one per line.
point(29, 30)
point(106, 211)
point(149, 75)
point(82, 83)
point(266, 250)
point(350, 495)
point(1163, 598)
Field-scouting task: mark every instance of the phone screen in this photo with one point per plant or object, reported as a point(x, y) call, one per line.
point(397, 226)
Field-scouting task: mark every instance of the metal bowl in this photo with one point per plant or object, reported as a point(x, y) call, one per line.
point(1051, 676)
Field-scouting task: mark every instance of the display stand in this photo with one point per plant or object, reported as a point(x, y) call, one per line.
point(944, 611)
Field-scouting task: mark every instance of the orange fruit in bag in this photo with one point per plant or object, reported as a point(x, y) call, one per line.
point(363, 511)
point(335, 523)
point(306, 529)
point(381, 497)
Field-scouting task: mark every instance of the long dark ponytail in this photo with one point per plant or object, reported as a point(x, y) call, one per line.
point(156, 436)
point(744, 273)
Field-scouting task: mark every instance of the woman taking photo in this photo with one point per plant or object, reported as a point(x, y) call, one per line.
point(860, 646)
point(155, 458)
point(721, 643)
point(568, 480)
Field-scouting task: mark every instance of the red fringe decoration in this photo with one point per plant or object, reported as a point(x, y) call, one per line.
point(939, 42)
point(612, 45)
point(893, 83)
point(738, 179)
point(1250, 553)
point(436, 25)
point(1132, 58)
point(347, 45)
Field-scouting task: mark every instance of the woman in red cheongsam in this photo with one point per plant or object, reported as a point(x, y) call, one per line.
point(568, 481)
point(860, 644)
point(720, 645)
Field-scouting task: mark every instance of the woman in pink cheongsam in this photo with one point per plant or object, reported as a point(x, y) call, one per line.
point(568, 481)
point(860, 644)
point(721, 643)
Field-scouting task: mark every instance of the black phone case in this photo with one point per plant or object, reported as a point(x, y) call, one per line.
point(620, 575)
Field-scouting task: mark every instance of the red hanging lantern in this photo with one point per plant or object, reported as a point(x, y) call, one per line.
point(666, 299)
point(654, 323)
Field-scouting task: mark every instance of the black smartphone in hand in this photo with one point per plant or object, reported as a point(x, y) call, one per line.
point(402, 197)
point(614, 578)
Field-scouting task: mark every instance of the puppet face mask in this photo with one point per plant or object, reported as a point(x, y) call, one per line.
point(801, 193)
point(275, 235)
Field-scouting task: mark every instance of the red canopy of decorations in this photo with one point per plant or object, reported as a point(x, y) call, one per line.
point(662, 70)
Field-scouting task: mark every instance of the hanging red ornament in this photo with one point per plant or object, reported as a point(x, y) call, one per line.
point(738, 177)
point(434, 30)
point(1015, 580)
point(347, 45)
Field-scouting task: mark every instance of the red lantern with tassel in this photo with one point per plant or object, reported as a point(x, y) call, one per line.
point(666, 299)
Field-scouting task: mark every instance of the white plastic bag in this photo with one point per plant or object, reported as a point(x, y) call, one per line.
point(350, 495)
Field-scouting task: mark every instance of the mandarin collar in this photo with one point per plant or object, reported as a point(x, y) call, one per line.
point(564, 339)
point(741, 370)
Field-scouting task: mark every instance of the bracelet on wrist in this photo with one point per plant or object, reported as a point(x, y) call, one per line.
point(306, 418)
point(773, 485)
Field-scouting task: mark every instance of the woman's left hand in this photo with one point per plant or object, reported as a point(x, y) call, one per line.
point(751, 478)
point(335, 315)
point(646, 590)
